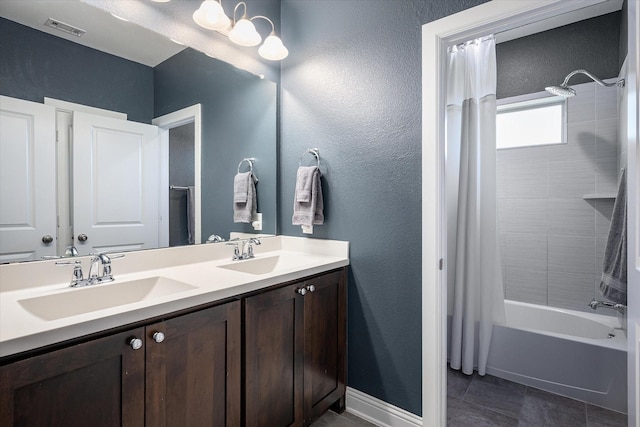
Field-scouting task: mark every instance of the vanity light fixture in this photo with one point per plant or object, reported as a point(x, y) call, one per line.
point(242, 32)
point(211, 16)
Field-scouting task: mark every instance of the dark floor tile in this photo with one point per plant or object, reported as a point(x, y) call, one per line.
point(465, 414)
point(600, 417)
point(550, 410)
point(457, 383)
point(495, 393)
point(331, 419)
point(356, 420)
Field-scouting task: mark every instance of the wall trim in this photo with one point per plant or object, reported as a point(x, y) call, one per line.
point(378, 411)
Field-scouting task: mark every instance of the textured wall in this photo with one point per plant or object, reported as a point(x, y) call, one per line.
point(529, 64)
point(352, 87)
point(34, 65)
point(238, 121)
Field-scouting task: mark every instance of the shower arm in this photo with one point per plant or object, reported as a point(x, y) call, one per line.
point(619, 83)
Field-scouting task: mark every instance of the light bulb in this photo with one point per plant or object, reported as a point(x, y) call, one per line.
point(211, 16)
point(273, 49)
point(244, 33)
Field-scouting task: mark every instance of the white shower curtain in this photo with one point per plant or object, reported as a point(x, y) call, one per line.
point(474, 273)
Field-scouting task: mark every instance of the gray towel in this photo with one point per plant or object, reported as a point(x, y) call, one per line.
point(244, 197)
point(308, 211)
point(614, 271)
point(191, 213)
point(241, 187)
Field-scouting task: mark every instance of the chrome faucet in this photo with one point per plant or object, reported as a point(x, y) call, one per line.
point(614, 306)
point(95, 275)
point(247, 250)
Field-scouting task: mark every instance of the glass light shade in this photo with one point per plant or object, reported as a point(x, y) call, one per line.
point(211, 16)
point(244, 33)
point(273, 49)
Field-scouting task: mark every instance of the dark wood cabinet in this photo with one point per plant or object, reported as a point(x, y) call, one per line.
point(188, 376)
point(295, 352)
point(276, 358)
point(97, 383)
point(325, 344)
point(193, 369)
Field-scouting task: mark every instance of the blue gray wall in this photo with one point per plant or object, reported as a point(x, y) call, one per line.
point(34, 65)
point(352, 87)
point(238, 121)
point(529, 64)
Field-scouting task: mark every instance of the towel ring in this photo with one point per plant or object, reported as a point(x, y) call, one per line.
point(314, 151)
point(249, 160)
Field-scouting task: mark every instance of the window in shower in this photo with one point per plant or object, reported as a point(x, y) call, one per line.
point(531, 122)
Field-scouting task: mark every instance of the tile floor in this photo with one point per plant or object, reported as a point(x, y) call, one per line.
point(493, 402)
point(331, 419)
point(475, 401)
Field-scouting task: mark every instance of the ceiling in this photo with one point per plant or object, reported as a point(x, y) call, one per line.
point(103, 31)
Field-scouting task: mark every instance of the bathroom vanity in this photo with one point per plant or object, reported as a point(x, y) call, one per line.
point(259, 342)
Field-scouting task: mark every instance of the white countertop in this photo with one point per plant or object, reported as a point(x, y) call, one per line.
point(197, 266)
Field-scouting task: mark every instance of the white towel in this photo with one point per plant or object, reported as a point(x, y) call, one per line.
point(308, 205)
point(244, 203)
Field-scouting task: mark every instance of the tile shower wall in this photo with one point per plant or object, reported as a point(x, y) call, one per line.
point(552, 239)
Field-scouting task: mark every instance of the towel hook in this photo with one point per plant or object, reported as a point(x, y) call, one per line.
point(249, 160)
point(314, 151)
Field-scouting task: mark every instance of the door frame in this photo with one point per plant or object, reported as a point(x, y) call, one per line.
point(488, 18)
point(192, 114)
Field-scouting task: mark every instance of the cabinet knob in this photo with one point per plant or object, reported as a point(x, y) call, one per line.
point(158, 337)
point(135, 343)
point(311, 288)
point(302, 291)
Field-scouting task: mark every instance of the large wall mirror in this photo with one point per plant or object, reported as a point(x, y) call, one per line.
point(97, 169)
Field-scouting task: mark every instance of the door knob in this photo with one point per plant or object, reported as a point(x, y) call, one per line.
point(158, 337)
point(82, 237)
point(135, 343)
point(47, 238)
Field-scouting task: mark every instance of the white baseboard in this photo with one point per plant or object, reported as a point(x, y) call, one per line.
point(379, 412)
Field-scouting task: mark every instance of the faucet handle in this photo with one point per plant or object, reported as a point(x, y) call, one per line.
point(236, 250)
point(77, 276)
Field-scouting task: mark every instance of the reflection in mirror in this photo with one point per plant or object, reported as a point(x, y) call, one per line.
point(238, 120)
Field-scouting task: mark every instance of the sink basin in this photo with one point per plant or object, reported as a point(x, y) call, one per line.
point(260, 265)
point(98, 297)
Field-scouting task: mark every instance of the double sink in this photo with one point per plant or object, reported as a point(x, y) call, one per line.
point(72, 302)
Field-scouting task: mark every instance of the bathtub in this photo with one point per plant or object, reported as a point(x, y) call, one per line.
point(576, 354)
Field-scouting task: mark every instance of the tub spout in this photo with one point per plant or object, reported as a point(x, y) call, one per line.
point(618, 307)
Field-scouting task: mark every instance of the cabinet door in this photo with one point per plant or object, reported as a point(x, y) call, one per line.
point(324, 344)
point(193, 373)
point(98, 383)
point(273, 358)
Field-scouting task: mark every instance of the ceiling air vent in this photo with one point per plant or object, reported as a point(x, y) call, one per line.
point(69, 29)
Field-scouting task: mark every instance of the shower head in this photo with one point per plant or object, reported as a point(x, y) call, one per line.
point(565, 91)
